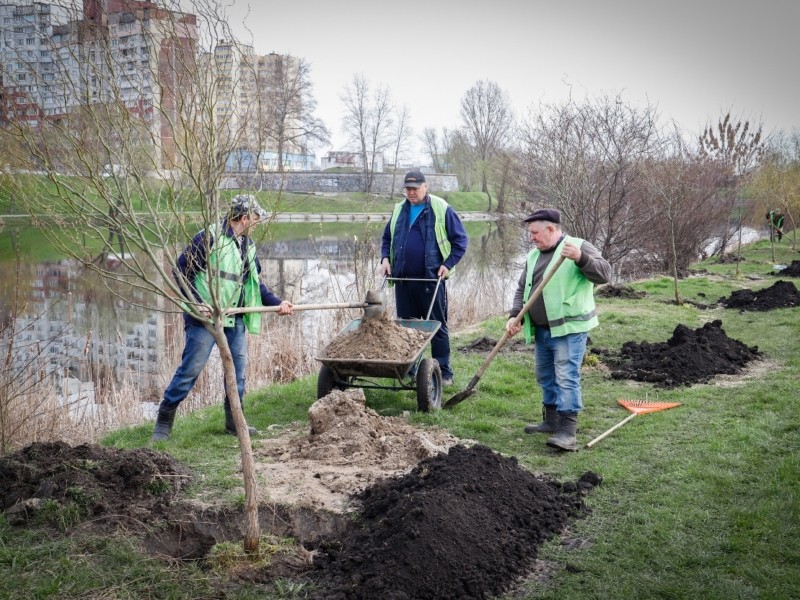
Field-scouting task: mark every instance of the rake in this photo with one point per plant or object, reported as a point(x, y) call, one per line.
point(636, 407)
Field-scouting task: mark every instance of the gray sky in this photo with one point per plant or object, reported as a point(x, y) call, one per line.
point(693, 59)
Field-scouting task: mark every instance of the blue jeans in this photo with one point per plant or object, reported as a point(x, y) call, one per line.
point(413, 299)
point(199, 343)
point(558, 369)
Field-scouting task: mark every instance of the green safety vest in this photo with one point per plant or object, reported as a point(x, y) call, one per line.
point(226, 265)
point(439, 206)
point(568, 296)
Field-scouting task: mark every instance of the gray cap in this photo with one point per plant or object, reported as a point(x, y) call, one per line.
point(246, 204)
point(544, 214)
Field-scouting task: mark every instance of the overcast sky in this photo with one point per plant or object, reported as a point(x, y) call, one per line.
point(693, 59)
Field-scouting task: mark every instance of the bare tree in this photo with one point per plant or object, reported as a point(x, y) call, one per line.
point(736, 147)
point(402, 133)
point(585, 159)
point(288, 100)
point(488, 121)
point(133, 140)
point(434, 149)
point(368, 122)
point(681, 188)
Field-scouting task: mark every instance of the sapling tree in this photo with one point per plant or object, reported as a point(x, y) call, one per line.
point(132, 148)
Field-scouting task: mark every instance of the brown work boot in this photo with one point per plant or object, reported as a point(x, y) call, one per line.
point(549, 422)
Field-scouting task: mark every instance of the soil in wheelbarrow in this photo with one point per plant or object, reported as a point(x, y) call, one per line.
point(379, 338)
point(690, 356)
point(782, 294)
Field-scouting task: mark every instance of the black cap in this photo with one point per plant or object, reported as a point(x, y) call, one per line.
point(413, 179)
point(544, 214)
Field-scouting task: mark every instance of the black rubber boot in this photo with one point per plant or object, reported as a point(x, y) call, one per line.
point(164, 421)
point(565, 438)
point(549, 422)
point(230, 426)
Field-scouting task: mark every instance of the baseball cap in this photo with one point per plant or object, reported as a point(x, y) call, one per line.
point(413, 179)
point(246, 204)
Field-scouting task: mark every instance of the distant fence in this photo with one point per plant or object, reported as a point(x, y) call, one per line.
point(321, 182)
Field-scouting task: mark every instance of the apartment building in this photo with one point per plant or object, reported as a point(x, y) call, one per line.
point(256, 108)
point(103, 54)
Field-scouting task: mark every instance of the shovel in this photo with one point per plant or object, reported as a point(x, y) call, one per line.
point(470, 389)
point(374, 306)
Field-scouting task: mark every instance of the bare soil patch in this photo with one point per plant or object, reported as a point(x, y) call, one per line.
point(434, 518)
point(348, 447)
point(782, 294)
point(688, 357)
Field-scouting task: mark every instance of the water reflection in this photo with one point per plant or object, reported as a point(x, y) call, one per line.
point(88, 332)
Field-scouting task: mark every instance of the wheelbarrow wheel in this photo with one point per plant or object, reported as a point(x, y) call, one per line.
point(429, 385)
point(326, 382)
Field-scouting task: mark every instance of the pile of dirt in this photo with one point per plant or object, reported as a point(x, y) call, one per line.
point(459, 526)
point(727, 259)
point(619, 291)
point(793, 270)
point(689, 356)
point(348, 448)
point(379, 339)
point(91, 479)
point(783, 294)
point(487, 344)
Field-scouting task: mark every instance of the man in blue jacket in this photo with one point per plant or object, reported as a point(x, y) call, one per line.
point(424, 239)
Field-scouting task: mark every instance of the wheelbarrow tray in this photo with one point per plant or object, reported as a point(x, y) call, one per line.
point(368, 367)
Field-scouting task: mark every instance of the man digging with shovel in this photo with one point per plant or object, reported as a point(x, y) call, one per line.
point(558, 321)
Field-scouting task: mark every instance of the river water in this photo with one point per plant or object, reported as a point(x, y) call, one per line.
point(86, 333)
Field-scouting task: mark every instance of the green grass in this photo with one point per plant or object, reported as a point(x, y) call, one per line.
point(700, 501)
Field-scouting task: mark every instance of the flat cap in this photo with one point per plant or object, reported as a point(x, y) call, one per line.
point(544, 214)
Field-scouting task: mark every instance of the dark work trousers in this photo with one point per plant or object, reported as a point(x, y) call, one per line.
point(413, 300)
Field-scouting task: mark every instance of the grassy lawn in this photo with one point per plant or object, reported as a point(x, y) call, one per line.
point(700, 501)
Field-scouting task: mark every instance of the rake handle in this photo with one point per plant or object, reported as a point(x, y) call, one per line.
point(614, 428)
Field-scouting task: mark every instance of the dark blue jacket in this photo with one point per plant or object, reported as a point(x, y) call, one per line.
point(424, 242)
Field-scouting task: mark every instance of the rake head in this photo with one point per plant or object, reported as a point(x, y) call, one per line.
point(644, 406)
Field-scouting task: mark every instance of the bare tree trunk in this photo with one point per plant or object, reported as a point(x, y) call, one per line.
point(252, 527)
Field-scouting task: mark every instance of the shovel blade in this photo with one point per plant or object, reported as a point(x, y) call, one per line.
point(375, 304)
point(459, 397)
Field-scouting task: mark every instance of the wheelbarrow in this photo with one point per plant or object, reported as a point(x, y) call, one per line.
point(420, 374)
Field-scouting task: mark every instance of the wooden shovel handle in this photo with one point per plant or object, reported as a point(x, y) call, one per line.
point(521, 315)
point(264, 309)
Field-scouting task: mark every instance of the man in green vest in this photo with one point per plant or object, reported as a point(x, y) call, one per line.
point(219, 265)
point(559, 320)
point(424, 240)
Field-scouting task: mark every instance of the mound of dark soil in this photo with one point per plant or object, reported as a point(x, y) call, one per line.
point(459, 526)
point(487, 344)
point(782, 294)
point(727, 259)
point(689, 356)
point(93, 479)
point(619, 291)
point(793, 270)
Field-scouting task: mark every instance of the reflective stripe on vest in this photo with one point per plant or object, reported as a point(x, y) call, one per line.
point(226, 266)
